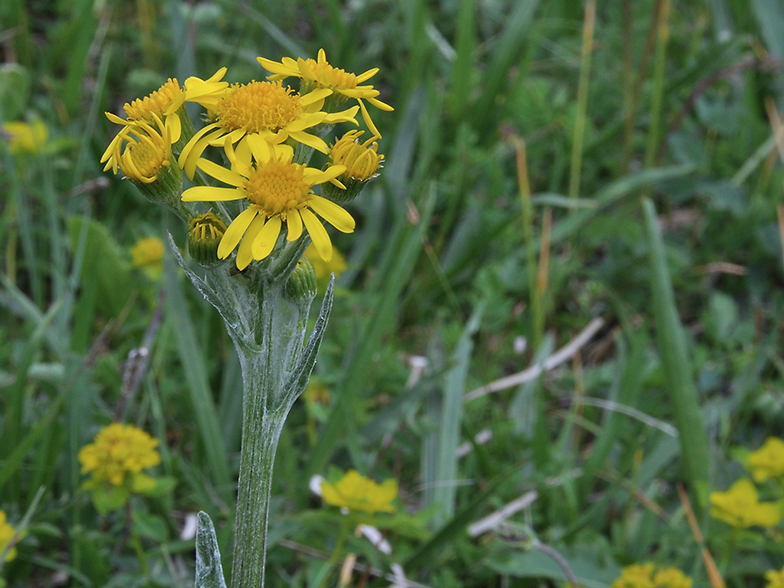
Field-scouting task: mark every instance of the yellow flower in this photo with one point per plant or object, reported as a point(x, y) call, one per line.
point(118, 451)
point(147, 254)
point(318, 74)
point(324, 269)
point(161, 105)
point(775, 579)
point(768, 460)
point(361, 159)
point(25, 137)
point(356, 492)
point(7, 533)
point(144, 156)
point(740, 507)
point(643, 576)
point(316, 394)
point(278, 191)
point(263, 109)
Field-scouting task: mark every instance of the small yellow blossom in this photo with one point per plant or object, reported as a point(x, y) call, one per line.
point(775, 579)
point(257, 109)
point(147, 254)
point(768, 460)
point(356, 492)
point(25, 137)
point(316, 394)
point(361, 159)
point(647, 576)
point(277, 191)
point(740, 507)
point(7, 533)
point(324, 269)
point(118, 452)
point(319, 74)
point(147, 151)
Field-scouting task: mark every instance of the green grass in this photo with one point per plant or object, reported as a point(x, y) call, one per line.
point(669, 104)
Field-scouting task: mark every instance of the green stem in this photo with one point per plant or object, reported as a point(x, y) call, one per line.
point(344, 530)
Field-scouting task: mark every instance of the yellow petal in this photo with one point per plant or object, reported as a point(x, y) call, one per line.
point(310, 140)
point(333, 214)
point(318, 234)
point(211, 194)
point(294, 224)
point(368, 121)
point(381, 105)
point(245, 251)
point(220, 173)
point(235, 231)
point(174, 124)
point(367, 75)
point(265, 241)
point(316, 176)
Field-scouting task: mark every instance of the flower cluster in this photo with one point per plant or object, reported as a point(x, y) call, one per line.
point(25, 137)
point(356, 492)
point(648, 576)
point(7, 534)
point(775, 578)
point(265, 133)
point(768, 461)
point(118, 455)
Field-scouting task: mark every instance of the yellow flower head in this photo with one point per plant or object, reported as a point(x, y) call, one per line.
point(277, 191)
point(324, 269)
point(768, 460)
point(361, 159)
point(118, 451)
point(146, 153)
point(7, 533)
point(161, 105)
point(775, 579)
point(646, 576)
point(319, 74)
point(25, 137)
point(740, 507)
point(356, 492)
point(147, 254)
point(263, 109)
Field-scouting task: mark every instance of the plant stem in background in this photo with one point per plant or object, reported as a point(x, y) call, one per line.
point(582, 99)
point(528, 237)
point(654, 124)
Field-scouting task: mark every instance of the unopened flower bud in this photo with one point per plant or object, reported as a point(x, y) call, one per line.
point(362, 162)
point(205, 232)
point(301, 286)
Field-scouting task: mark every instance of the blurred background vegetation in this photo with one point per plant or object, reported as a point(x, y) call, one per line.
point(509, 216)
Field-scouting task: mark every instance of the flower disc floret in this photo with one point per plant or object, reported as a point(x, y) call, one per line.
point(258, 106)
point(162, 102)
point(118, 451)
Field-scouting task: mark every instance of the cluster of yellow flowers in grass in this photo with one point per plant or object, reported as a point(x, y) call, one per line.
point(740, 506)
point(116, 461)
point(7, 534)
point(25, 137)
point(649, 576)
point(775, 579)
point(147, 255)
point(263, 128)
point(355, 492)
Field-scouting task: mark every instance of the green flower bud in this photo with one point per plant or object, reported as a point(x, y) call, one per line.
point(301, 286)
point(205, 232)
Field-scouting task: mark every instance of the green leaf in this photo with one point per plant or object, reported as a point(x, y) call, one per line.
point(106, 500)
point(209, 571)
point(150, 526)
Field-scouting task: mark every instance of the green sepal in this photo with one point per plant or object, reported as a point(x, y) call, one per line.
point(209, 571)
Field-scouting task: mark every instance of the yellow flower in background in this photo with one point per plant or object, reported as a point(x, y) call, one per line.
point(775, 579)
point(25, 137)
point(7, 533)
point(740, 507)
point(324, 269)
point(278, 191)
point(647, 576)
point(768, 460)
point(147, 254)
point(356, 492)
point(258, 109)
point(319, 74)
point(118, 453)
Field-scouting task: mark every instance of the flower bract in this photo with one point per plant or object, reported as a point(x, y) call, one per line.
point(277, 191)
point(319, 74)
point(356, 492)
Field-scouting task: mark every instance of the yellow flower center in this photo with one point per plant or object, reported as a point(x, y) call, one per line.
point(332, 77)
point(258, 106)
point(157, 102)
point(148, 158)
point(277, 187)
